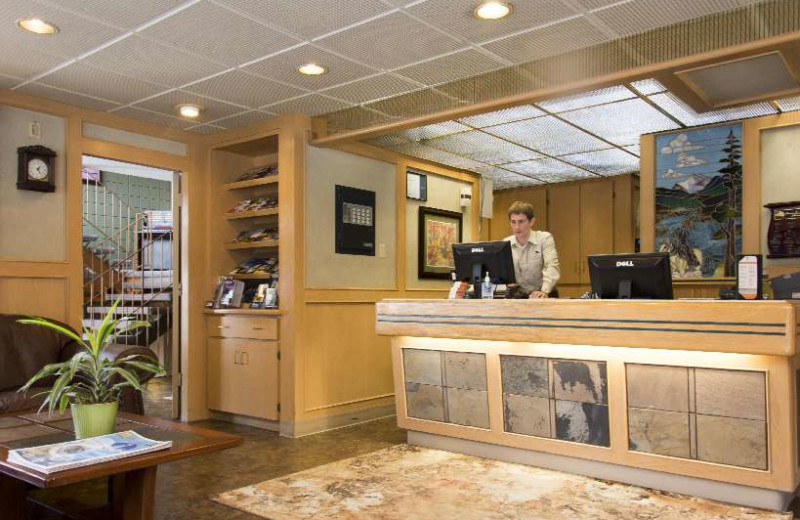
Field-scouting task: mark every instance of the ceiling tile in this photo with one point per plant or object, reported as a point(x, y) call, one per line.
point(596, 4)
point(356, 117)
point(482, 147)
point(628, 18)
point(605, 162)
point(70, 98)
point(429, 153)
point(549, 41)
point(504, 179)
point(432, 131)
point(153, 62)
point(648, 86)
point(155, 118)
point(416, 103)
point(456, 66)
point(789, 104)
point(372, 89)
point(507, 115)
point(548, 170)
point(689, 117)
point(25, 62)
point(311, 105)
point(124, 13)
point(387, 141)
point(9, 81)
point(76, 34)
point(219, 34)
point(587, 99)
point(204, 129)
point(456, 17)
point(283, 67)
point(621, 123)
point(211, 110)
point(634, 148)
point(244, 89)
point(548, 135)
point(244, 119)
point(80, 77)
point(309, 18)
point(391, 41)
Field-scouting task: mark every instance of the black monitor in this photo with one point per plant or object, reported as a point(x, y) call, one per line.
point(474, 260)
point(633, 275)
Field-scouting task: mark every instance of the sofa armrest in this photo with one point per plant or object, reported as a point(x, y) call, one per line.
point(117, 351)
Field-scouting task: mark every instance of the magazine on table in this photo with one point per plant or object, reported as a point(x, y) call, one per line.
point(85, 452)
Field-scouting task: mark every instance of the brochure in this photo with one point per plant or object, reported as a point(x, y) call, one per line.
point(85, 452)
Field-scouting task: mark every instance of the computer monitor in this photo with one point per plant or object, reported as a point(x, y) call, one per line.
point(474, 260)
point(633, 275)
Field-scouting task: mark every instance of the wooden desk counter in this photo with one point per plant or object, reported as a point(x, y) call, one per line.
point(694, 396)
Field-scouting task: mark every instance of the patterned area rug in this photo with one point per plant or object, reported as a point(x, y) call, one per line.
point(411, 483)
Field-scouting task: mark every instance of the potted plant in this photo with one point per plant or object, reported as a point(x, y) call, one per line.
point(90, 382)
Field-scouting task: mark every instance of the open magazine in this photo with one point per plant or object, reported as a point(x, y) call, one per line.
point(85, 452)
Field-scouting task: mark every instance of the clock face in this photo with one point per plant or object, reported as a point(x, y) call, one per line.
point(38, 170)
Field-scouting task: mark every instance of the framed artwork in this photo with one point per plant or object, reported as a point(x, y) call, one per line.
point(699, 200)
point(438, 231)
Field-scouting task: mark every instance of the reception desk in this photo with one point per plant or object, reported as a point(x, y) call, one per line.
point(690, 396)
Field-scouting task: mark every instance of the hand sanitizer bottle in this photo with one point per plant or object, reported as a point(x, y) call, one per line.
point(487, 288)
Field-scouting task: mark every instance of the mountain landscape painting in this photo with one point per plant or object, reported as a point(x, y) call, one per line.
point(699, 200)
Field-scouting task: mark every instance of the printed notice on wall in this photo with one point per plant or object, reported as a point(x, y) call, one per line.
point(747, 277)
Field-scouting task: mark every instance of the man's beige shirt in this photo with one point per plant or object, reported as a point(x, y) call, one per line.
point(536, 263)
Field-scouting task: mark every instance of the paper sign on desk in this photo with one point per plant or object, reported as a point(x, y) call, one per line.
point(748, 277)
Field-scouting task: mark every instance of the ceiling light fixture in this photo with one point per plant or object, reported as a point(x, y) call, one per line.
point(492, 10)
point(37, 26)
point(312, 69)
point(190, 111)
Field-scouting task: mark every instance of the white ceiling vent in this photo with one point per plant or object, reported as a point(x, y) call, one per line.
point(742, 81)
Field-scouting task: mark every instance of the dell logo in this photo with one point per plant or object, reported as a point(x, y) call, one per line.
point(476, 250)
point(626, 263)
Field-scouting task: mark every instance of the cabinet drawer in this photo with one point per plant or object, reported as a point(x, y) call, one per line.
point(242, 327)
point(243, 377)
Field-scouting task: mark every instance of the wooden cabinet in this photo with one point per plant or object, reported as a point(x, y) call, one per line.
point(563, 217)
point(243, 366)
point(596, 223)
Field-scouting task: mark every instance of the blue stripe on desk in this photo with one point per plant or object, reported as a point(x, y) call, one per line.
point(593, 320)
point(542, 326)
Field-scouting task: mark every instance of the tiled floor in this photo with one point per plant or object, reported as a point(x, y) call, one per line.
point(184, 488)
point(158, 398)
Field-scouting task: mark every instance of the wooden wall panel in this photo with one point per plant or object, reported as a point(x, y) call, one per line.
point(563, 216)
point(46, 297)
point(624, 214)
point(537, 196)
point(596, 222)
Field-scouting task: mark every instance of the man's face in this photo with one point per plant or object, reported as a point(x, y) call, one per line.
point(521, 224)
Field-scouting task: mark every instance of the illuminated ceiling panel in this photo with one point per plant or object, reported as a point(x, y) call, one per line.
point(549, 135)
point(433, 131)
point(480, 146)
point(689, 117)
point(789, 104)
point(503, 179)
point(606, 162)
point(588, 99)
point(432, 154)
point(621, 123)
point(648, 86)
point(507, 115)
point(548, 170)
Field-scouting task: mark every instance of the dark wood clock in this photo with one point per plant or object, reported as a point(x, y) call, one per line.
point(37, 168)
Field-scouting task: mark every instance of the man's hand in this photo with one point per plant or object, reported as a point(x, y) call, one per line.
point(539, 294)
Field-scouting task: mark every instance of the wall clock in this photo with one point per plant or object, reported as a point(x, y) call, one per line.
point(36, 168)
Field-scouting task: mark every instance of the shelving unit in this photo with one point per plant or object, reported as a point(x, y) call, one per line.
point(251, 184)
point(261, 244)
point(251, 214)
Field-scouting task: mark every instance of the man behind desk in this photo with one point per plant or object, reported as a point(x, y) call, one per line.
point(535, 258)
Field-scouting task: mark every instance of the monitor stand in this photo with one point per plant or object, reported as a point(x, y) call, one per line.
point(624, 290)
point(476, 280)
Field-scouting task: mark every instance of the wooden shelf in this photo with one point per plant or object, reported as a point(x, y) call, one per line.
point(250, 312)
point(251, 214)
point(259, 276)
point(265, 181)
point(252, 245)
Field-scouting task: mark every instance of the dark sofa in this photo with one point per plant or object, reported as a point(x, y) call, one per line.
point(25, 349)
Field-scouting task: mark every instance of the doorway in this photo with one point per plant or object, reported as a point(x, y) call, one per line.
point(131, 254)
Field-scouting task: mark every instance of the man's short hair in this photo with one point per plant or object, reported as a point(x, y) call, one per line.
point(521, 208)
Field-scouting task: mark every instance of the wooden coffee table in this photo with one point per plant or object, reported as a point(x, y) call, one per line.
point(132, 480)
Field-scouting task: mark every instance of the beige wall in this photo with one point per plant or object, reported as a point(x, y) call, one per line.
point(33, 224)
point(780, 178)
point(326, 168)
point(443, 193)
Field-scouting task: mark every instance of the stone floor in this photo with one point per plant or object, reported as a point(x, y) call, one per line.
point(158, 398)
point(184, 487)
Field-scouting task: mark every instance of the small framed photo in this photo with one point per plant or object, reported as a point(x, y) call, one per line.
point(416, 185)
point(438, 231)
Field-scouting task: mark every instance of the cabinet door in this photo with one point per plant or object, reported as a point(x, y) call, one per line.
point(597, 222)
point(563, 218)
point(243, 377)
point(499, 228)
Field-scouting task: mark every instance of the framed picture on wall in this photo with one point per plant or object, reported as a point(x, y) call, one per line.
point(699, 200)
point(438, 231)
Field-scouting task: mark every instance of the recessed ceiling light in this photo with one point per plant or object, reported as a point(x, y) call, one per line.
point(38, 26)
point(188, 110)
point(312, 69)
point(492, 10)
